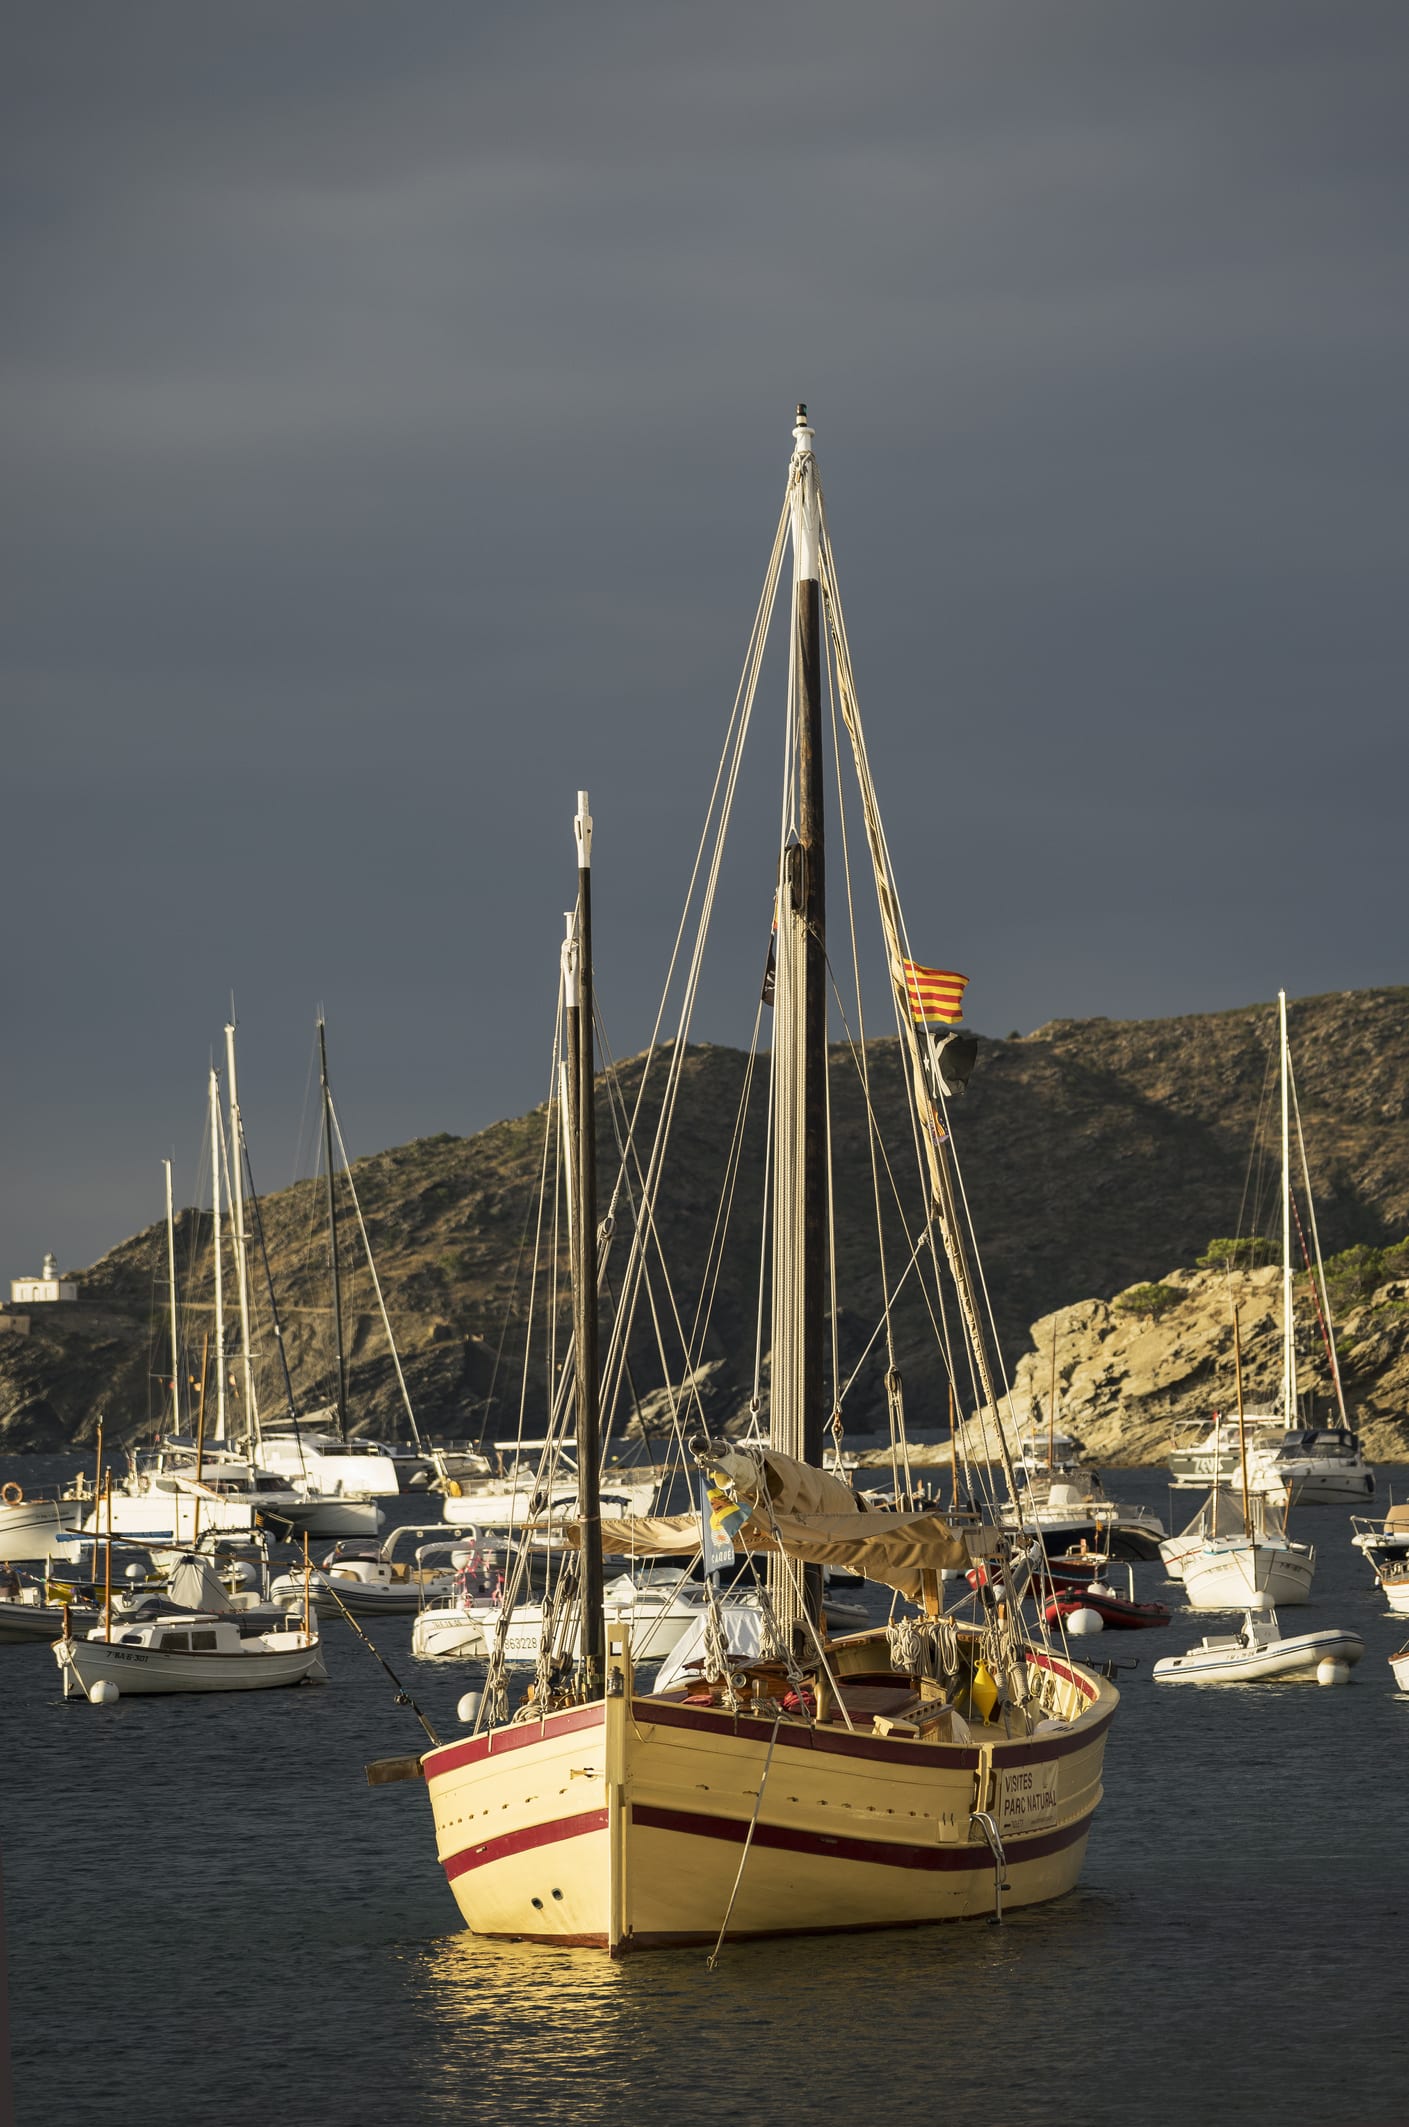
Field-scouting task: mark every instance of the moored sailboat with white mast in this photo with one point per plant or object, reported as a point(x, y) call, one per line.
point(909, 1773)
point(1288, 1459)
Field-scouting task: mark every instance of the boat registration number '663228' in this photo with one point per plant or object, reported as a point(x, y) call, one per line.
point(1027, 1795)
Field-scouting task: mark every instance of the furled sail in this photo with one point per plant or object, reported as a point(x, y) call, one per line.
point(762, 1476)
point(895, 1549)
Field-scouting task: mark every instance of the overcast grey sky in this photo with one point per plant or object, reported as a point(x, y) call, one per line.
point(396, 408)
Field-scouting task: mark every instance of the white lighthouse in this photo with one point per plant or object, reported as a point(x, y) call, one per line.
point(48, 1286)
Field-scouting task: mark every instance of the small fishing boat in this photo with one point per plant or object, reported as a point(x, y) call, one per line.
point(28, 1615)
point(191, 1652)
point(1399, 1664)
point(1396, 1590)
point(1259, 1651)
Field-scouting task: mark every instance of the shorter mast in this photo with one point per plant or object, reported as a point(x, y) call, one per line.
point(1289, 1405)
point(215, 1138)
point(237, 1207)
point(578, 1010)
point(171, 1305)
point(333, 1263)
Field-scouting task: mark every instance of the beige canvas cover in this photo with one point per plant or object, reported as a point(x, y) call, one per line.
point(892, 1548)
point(789, 1486)
point(1398, 1517)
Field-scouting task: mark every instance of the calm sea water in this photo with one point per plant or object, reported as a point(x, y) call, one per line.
point(213, 1920)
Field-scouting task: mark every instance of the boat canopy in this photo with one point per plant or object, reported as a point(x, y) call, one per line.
point(896, 1549)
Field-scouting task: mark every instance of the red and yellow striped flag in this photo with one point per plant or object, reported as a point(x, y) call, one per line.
point(935, 994)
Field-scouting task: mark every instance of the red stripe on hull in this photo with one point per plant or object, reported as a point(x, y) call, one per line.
point(882, 1852)
point(840, 1743)
point(451, 1756)
point(524, 1841)
point(837, 1742)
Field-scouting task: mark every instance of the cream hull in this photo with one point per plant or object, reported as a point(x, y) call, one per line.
point(1229, 1573)
point(621, 1825)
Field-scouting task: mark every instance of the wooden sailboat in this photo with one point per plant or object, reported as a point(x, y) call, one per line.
point(907, 1773)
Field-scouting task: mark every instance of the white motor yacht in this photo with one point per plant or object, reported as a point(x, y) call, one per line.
point(371, 1583)
point(1385, 1543)
point(31, 1523)
point(521, 1495)
point(337, 1483)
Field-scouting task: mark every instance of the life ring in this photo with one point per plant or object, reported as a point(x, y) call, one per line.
point(12, 1495)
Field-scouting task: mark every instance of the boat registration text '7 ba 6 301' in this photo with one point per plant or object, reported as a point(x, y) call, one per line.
point(1027, 1795)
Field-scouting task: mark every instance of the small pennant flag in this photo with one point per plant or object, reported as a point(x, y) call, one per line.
point(936, 996)
point(716, 1526)
point(726, 1516)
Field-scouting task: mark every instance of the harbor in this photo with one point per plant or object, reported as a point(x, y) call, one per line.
point(239, 1833)
point(704, 1140)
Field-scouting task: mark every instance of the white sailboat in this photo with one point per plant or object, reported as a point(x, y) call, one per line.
point(1286, 1459)
point(907, 1773)
point(1236, 1554)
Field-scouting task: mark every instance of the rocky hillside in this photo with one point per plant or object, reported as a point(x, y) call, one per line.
point(1095, 1155)
point(1135, 1372)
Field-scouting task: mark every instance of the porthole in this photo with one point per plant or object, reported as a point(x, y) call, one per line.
point(537, 1904)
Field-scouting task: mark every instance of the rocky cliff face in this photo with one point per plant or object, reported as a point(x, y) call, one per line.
point(1095, 1154)
point(1127, 1383)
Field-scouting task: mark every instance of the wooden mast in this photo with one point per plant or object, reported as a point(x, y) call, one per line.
point(333, 1264)
point(582, 1128)
point(796, 1401)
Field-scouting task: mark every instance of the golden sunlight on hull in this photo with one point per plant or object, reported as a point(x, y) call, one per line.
point(622, 1825)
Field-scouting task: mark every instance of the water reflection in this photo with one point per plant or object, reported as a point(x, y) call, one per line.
point(517, 2031)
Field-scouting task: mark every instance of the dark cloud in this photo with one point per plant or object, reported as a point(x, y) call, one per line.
point(395, 410)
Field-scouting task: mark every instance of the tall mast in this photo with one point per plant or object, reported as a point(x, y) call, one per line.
point(215, 1136)
point(1289, 1409)
point(171, 1305)
point(800, 1051)
point(582, 1123)
point(237, 1179)
point(332, 1227)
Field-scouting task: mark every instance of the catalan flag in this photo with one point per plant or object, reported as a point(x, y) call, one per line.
point(936, 996)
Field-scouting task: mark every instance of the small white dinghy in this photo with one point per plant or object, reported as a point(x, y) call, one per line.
point(197, 1652)
point(1399, 1663)
point(1260, 1650)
